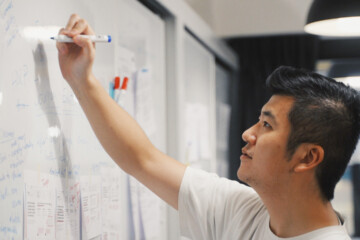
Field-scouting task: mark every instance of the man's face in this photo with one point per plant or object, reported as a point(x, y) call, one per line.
point(264, 162)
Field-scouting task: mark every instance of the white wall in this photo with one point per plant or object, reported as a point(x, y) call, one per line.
point(253, 17)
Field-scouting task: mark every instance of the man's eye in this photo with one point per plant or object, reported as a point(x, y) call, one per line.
point(266, 124)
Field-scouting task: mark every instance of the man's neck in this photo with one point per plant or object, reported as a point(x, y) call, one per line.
point(295, 214)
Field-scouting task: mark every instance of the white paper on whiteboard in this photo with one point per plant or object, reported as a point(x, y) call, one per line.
point(124, 61)
point(197, 132)
point(125, 67)
point(150, 206)
point(144, 102)
point(135, 214)
point(67, 216)
point(146, 209)
point(111, 203)
point(39, 206)
point(91, 206)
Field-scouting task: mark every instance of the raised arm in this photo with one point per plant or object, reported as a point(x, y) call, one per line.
point(118, 132)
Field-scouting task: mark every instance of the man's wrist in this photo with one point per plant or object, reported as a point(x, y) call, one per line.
point(81, 87)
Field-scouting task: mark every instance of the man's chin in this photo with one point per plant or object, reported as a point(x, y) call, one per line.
point(243, 176)
point(240, 175)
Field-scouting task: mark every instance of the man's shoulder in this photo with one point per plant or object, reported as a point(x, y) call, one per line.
point(221, 193)
point(201, 177)
point(329, 233)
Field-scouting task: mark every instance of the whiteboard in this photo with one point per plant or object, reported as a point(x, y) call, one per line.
point(199, 65)
point(42, 127)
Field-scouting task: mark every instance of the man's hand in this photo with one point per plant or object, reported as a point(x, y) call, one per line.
point(76, 59)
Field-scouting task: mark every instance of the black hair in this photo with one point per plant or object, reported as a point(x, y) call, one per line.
point(325, 112)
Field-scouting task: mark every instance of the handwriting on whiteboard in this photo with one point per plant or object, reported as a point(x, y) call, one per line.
point(10, 26)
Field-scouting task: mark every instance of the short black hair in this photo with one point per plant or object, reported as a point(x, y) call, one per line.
point(325, 112)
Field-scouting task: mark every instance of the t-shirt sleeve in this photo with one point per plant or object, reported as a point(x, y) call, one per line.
point(209, 205)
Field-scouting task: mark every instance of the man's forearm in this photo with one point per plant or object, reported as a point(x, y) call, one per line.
point(118, 132)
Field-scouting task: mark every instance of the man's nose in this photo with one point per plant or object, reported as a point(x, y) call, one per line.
point(249, 136)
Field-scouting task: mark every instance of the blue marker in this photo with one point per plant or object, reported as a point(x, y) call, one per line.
point(93, 38)
point(111, 90)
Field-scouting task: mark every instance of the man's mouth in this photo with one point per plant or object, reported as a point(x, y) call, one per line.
point(245, 155)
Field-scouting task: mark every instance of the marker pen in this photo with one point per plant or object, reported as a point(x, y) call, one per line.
point(116, 88)
point(123, 90)
point(111, 90)
point(93, 38)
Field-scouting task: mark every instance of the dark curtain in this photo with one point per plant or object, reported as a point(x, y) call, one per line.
point(355, 172)
point(259, 56)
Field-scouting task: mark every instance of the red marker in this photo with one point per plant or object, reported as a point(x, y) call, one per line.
point(116, 88)
point(117, 83)
point(125, 83)
point(120, 97)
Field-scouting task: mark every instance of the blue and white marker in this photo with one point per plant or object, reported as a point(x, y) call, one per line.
point(93, 38)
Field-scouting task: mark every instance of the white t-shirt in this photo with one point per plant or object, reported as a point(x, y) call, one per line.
point(217, 208)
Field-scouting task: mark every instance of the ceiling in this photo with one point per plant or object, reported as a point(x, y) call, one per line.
point(236, 18)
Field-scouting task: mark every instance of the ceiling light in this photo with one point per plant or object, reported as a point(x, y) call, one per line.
point(334, 18)
point(353, 81)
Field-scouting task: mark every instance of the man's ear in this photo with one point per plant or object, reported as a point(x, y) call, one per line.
point(310, 156)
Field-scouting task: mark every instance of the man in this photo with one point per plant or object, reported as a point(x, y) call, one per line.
point(294, 155)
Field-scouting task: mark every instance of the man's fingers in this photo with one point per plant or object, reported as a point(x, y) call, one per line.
point(76, 26)
point(86, 45)
point(74, 18)
point(61, 31)
point(62, 47)
point(80, 27)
